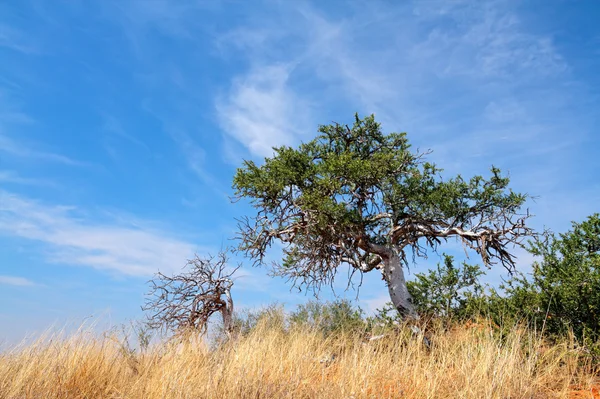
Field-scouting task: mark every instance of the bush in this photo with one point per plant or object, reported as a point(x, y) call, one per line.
point(563, 294)
point(272, 317)
point(448, 291)
point(328, 317)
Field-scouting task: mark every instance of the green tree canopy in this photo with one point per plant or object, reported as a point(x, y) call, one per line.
point(357, 196)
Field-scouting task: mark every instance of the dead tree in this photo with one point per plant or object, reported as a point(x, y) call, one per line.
point(185, 301)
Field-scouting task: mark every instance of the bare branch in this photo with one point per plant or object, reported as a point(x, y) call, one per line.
point(490, 237)
point(187, 300)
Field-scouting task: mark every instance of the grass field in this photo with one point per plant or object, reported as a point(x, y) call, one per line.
point(467, 361)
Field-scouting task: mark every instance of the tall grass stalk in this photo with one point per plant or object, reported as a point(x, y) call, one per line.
point(269, 362)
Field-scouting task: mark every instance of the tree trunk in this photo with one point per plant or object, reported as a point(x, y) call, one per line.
point(227, 313)
point(393, 275)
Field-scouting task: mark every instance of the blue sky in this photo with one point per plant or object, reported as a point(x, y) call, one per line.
point(122, 124)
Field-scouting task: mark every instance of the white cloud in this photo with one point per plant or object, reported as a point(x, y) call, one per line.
point(431, 74)
point(16, 281)
point(262, 111)
point(126, 249)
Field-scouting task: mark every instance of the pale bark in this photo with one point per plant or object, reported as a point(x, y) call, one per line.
point(227, 313)
point(393, 274)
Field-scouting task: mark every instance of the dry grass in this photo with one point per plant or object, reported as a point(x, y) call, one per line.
point(466, 362)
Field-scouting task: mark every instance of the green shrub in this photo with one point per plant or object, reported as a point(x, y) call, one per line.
point(272, 316)
point(563, 293)
point(328, 317)
point(448, 291)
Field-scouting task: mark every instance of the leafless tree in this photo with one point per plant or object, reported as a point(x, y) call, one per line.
point(187, 300)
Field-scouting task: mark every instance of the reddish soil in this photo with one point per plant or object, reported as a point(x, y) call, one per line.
point(590, 393)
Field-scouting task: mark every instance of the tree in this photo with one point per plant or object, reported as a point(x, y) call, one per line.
point(564, 292)
point(357, 196)
point(187, 300)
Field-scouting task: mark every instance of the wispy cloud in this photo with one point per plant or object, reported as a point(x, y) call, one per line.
point(252, 280)
point(140, 21)
point(262, 111)
point(14, 39)
point(9, 176)
point(176, 20)
point(21, 150)
point(446, 67)
point(113, 126)
point(475, 82)
point(71, 239)
point(11, 112)
point(194, 155)
point(16, 281)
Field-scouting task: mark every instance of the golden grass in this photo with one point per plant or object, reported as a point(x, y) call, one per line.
point(465, 362)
